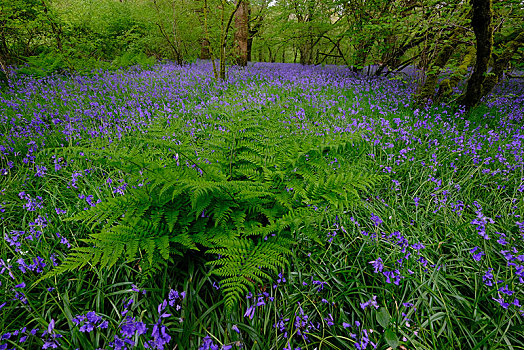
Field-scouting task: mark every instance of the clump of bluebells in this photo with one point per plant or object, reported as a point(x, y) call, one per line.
point(89, 321)
point(128, 333)
point(410, 257)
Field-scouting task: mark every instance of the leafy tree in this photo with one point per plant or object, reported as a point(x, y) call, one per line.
point(22, 29)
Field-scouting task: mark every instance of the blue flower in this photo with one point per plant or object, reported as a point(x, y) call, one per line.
point(376, 220)
point(372, 302)
point(208, 344)
point(377, 265)
point(506, 290)
point(250, 312)
point(478, 255)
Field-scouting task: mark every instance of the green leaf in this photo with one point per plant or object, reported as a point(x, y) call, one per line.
point(391, 338)
point(383, 317)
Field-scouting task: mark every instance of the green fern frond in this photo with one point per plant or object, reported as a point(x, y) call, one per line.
point(243, 263)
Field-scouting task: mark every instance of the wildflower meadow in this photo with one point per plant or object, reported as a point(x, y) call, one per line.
point(285, 207)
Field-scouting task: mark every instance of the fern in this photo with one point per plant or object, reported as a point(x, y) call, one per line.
point(242, 198)
point(243, 263)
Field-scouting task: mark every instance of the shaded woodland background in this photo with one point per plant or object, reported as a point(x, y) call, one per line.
point(454, 38)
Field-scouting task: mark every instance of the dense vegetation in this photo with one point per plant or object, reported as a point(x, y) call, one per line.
point(286, 207)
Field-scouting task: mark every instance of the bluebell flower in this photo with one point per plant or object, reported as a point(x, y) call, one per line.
point(370, 302)
point(377, 265)
point(120, 344)
point(329, 320)
point(250, 312)
point(506, 290)
point(40, 171)
point(501, 301)
point(320, 284)
point(376, 220)
point(208, 344)
point(476, 256)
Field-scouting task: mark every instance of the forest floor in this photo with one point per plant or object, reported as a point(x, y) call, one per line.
point(431, 255)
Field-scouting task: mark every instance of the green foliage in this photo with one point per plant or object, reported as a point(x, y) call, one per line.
point(47, 37)
point(45, 64)
point(383, 317)
point(57, 63)
point(391, 338)
point(242, 201)
point(20, 22)
point(132, 59)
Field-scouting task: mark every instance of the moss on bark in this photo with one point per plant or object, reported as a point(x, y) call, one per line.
point(428, 89)
point(481, 23)
point(447, 85)
point(501, 62)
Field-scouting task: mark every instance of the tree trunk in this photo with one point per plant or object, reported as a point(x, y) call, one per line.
point(4, 57)
point(306, 52)
point(271, 56)
point(241, 33)
point(223, 38)
point(249, 47)
point(359, 60)
point(446, 86)
point(501, 62)
point(481, 22)
point(4, 50)
point(392, 54)
point(205, 54)
point(428, 89)
point(4, 80)
point(253, 28)
point(400, 51)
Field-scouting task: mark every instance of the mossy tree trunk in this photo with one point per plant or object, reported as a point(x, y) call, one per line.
point(501, 62)
point(4, 81)
point(254, 24)
point(361, 55)
point(427, 91)
point(451, 42)
point(306, 52)
point(205, 54)
point(305, 19)
point(446, 86)
point(481, 23)
point(224, 36)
